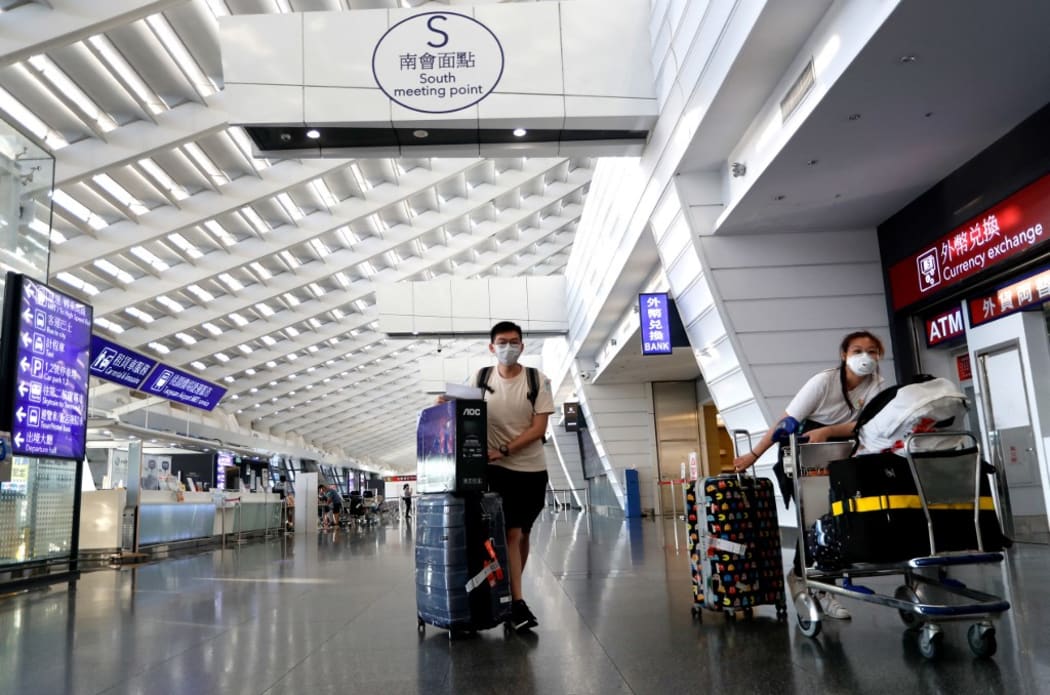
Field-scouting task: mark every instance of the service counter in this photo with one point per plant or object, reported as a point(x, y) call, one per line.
point(170, 517)
point(165, 519)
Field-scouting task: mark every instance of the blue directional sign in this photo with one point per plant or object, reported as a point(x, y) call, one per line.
point(50, 381)
point(653, 308)
point(118, 364)
point(176, 385)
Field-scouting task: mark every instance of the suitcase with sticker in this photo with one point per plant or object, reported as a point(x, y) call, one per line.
point(734, 545)
point(461, 554)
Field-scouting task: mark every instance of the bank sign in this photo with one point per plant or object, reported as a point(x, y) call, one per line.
point(1014, 226)
point(654, 310)
point(438, 62)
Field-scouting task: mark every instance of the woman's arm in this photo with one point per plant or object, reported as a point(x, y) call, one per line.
point(823, 434)
point(748, 458)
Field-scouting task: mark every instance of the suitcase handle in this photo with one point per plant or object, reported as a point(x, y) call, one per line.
point(737, 436)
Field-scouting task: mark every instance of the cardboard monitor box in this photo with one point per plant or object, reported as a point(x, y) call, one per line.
point(452, 447)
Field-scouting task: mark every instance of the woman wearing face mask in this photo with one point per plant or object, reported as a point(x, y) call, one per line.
point(827, 407)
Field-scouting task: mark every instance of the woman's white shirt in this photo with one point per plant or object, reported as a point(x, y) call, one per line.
point(821, 398)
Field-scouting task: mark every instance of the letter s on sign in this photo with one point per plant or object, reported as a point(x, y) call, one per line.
point(430, 25)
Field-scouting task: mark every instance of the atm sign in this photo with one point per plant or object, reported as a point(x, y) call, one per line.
point(944, 327)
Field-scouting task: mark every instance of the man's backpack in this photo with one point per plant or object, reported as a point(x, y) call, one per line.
point(531, 373)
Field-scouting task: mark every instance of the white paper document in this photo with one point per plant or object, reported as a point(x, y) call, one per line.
point(464, 392)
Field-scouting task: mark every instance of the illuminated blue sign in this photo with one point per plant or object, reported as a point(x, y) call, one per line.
point(176, 385)
point(654, 310)
point(118, 364)
point(50, 381)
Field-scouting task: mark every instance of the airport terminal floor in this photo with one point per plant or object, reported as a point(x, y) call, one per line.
point(335, 613)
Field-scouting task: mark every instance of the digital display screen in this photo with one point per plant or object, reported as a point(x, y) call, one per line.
point(47, 369)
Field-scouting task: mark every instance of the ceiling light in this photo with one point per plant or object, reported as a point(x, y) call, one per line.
point(520, 132)
point(908, 59)
point(420, 133)
point(313, 134)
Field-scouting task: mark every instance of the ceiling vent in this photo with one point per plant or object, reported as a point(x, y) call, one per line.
point(802, 86)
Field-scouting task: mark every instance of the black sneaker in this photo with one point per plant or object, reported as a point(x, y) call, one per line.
point(521, 618)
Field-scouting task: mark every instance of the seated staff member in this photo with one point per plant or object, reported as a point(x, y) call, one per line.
point(827, 406)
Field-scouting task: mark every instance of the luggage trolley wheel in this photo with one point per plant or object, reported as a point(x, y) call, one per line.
point(981, 637)
point(931, 641)
point(807, 612)
point(911, 619)
point(698, 613)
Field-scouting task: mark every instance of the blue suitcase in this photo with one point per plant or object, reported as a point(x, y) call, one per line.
point(461, 562)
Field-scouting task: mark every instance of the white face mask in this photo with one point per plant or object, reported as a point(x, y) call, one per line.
point(507, 354)
point(862, 364)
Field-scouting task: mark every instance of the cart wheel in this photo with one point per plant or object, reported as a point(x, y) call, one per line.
point(931, 643)
point(911, 619)
point(782, 615)
point(981, 637)
point(749, 614)
point(420, 625)
point(730, 614)
point(697, 615)
point(808, 614)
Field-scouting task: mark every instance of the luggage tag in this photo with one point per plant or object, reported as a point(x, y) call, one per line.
point(491, 572)
point(727, 546)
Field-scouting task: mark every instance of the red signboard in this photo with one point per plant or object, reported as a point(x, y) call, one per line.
point(944, 327)
point(962, 366)
point(1030, 291)
point(1017, 224)
point(400, 479)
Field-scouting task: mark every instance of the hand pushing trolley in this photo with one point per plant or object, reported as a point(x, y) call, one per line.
point(918, 516)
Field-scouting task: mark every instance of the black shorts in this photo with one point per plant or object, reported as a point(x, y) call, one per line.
point(524, 495)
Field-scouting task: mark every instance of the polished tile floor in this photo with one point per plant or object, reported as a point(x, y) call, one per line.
point(335, 614)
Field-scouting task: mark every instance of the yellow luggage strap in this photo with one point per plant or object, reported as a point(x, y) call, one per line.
point(883, 502)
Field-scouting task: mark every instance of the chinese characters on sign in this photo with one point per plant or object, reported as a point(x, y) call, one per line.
point(438, 62)
point(1031, 290)
point(656, 323)
point(1012, 227)
point(51, 373)
point(118, 364)
point(176, 385)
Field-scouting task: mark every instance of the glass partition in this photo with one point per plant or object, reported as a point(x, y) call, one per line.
point(27, 176)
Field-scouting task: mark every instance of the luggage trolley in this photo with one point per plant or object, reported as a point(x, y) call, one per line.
point(944, 479)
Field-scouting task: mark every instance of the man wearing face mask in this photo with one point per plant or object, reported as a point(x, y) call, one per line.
point(517, 421)
point(827, 408)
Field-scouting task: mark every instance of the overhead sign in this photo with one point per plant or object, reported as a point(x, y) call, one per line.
point(176, 385)
point(47, 369)
point(118, 364)
point(656, 323)
point(1029, 291)
point(438, 62)
point(1008, 229)
point(400, 479)
point(944, 327)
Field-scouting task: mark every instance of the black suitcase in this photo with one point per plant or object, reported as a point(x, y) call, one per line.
point(734, 545)
point(875, 505)
point(461, 562)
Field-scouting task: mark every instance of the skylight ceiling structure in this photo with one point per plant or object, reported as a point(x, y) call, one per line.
point(257, 274)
